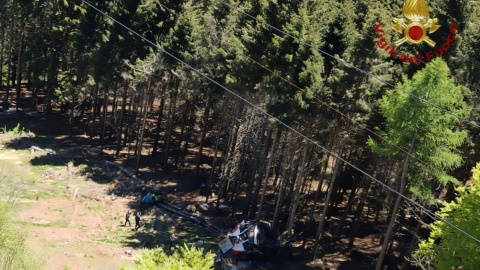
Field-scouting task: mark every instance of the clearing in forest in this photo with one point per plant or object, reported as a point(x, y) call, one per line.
point(80, 226)
point(82, 232)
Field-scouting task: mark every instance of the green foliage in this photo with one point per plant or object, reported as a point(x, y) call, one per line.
point(435, 131)
point(14, 253)
point(186, 258)
point(16, 131)
point(447, 248)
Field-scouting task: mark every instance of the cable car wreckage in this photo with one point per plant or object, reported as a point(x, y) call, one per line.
point(249, 243)
point(245, 242)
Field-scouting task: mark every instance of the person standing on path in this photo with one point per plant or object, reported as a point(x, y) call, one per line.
point(127, 218)
point(137, 221)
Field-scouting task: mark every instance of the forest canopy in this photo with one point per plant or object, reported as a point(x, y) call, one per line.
point(412, 126)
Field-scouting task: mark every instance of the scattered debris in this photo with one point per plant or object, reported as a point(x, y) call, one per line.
point(203, 206)
point(75, 194)
point(36, 148)
point(49, 173)
point(317, 264)
point(244, 244)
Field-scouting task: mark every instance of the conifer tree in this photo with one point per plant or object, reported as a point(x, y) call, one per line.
point(429, 133)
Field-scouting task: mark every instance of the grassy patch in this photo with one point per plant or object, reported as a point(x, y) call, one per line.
point(97, 207)
point(16, 131)
point(61, 223)
point(33, 194)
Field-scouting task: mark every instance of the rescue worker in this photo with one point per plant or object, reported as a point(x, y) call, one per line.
point(137, 221)
point(147, 200)
point(127, 218)
point(154, 199)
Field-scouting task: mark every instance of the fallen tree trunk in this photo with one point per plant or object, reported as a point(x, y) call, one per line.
point(125, 171)
point(199, 220)
point(145, 242)
point(36, 148)
point(171, 207)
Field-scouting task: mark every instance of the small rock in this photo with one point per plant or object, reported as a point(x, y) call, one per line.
point(316, 264)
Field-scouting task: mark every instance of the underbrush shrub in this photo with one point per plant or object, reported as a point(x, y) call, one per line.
point(447, 248)
point(14, 251)
point(185, 258)
point(16, 131)
point(15, 137)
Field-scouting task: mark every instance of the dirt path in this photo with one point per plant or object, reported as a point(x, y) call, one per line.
point(79, 233)
point(82, 232)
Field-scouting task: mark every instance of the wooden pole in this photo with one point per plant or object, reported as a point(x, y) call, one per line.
point(70, 173)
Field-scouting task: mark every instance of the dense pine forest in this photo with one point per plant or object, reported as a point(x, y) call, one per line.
point(289, 112)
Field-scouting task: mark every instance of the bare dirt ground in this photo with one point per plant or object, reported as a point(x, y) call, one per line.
point(70, 232)
point(73, 234)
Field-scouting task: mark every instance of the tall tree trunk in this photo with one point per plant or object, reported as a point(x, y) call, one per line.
point(323, 169)
point(280, 161)
point(122, 121)
point(19, 66)
point(358, 212)
point(182, 133)
point(9, 73)
point(144, 121)
point(206, 115)
point(237, 181)
point(52, 79)
point(191, 125)
point(331, 188)
point(410, 248)
point(2, 44)
point(395, 209)
point(254, 178)
point(94, 109)
point(113, 118)
point(269, 166)
point(159, 123)
point(348, 208)
point(286, 168)
point(230, 151)
point(261, 173)
point(139, 109)
point(170, 126)
point(278, 204)
point(34, 73)
point(126, 136)
point(215, 153)
point(104, 120)
point(244, 141)
point(299, 183)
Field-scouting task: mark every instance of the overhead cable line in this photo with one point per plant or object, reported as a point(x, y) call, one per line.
point(283, 124)
point(347, 63)
point(343, 114)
